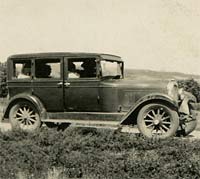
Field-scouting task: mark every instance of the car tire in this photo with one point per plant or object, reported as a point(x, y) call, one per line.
point(157, 121)
point(24, 115)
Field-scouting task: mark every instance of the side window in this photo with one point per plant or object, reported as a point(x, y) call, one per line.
point(22, 69)
point(47, 68)
point(82, 68)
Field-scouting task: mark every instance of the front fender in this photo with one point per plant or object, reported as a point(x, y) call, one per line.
point(131, 115)
point(31, 98)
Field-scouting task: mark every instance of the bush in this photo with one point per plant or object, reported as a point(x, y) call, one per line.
point(3, 84)
point(95, 153)
point(191, 86)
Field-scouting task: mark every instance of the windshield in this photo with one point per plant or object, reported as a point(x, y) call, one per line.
point(111, 69)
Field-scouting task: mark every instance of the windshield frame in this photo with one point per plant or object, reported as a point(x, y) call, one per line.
point(111, 76)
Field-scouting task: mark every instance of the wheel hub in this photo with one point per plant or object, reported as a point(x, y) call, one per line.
point(26, 116)
point(156, 122)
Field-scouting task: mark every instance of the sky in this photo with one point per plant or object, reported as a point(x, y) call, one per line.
point(157, 35)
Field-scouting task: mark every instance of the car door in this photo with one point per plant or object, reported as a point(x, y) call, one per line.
point(81, 85)
point(48, 82)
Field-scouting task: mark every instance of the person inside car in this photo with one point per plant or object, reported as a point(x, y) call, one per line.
point(89, 67)
point(25, 72)
point(72, 70)
point(43, 71)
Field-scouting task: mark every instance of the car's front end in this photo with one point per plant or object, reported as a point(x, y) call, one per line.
point(122, 95)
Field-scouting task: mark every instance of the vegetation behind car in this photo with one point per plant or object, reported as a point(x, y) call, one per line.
point(3, 85)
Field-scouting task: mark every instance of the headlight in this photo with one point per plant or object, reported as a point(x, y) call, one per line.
point(172, 89)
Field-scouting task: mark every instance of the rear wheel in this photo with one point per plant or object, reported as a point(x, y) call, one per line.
point(157, 120)
point(24, 115)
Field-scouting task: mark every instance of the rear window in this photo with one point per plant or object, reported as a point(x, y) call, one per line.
point(22, 69)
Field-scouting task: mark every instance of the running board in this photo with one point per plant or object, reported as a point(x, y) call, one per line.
point(85, 116)
point(84, 122)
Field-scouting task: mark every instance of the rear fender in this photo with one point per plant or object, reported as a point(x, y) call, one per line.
point(26, 97)
point(131, 116)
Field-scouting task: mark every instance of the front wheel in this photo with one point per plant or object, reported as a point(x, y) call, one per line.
point(23, 115)
point(157, 120)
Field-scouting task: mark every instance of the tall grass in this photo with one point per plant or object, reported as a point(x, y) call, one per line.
point(95, 153)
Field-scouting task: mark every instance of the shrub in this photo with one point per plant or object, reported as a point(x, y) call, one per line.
point(3, 84)
point(191, 86)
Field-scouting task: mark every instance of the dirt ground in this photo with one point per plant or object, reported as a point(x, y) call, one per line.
point(5, 126)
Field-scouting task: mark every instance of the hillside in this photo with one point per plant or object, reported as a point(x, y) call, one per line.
point(152, 75)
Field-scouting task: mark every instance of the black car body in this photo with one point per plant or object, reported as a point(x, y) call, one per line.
point(90, 88)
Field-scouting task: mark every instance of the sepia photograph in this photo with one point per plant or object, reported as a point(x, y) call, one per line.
point(104, 89)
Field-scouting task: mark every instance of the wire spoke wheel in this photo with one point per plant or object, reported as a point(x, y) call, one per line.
point(24, 115)
point(157, 121)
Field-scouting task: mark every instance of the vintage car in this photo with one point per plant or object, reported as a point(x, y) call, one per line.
point(89, 88)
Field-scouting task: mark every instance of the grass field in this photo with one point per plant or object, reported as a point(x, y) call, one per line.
point(95, 153)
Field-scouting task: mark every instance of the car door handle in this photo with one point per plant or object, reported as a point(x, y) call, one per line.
point(66, 84)
point(60, 84)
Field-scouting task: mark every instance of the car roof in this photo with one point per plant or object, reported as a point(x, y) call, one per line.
point(67, 54)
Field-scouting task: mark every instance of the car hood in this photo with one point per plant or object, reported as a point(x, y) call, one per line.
point(137, 84)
